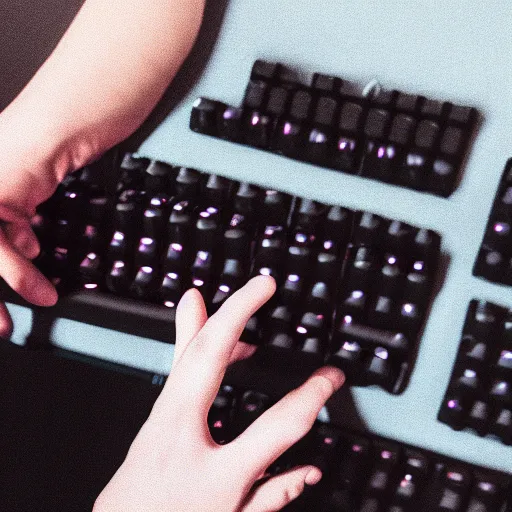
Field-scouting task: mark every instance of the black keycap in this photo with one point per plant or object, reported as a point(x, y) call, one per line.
point(252, 331)
point(247, 200)
point(132, 172)
point(188, 182)
point(402, 129)
point(171, 289)
point(466, 116)
point(385, 99)
point(479, 417)
point(369, 229)
point(270, 252)
point(409, 103)
point(147, 252)
point(220, 415)
point(262, 70)
point(278, 99)
point(203, 118)
point(427, 135)
point(98, 208)
point(434, 109)
point(158, 178)
point(275, 208)
point(320, 139)
point(347, 148)
point(256, 95)
point(119, 277)
point(217, 191)
point(181, 222)
point(501, 425)
point(154, 218)
point(229, 123)
point(326, 83)
point(336, 230)
point(146, 283)
point(290, 134)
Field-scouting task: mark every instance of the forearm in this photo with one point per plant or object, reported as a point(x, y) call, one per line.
point(104, 77)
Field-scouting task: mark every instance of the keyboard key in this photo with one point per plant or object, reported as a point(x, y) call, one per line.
point(479, 395)
point(203, 118)
point(494, 260)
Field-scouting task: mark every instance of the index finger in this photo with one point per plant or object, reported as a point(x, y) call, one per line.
point(198, 375)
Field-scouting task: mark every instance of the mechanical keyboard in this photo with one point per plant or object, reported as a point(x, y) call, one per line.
point(440, 59)
point(353, 287)
point(390, 136)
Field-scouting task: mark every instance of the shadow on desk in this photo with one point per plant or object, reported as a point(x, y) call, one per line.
point(65, 428)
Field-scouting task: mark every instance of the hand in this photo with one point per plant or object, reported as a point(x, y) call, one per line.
point(27, 178)
point(174, 464)
point(98, 85)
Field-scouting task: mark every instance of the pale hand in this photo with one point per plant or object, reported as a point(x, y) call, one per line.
point(174, 464)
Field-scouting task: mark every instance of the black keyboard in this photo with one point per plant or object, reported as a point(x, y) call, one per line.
point(364, 472)
point(494, 261)
point(353, 287)
point(479, 395)
point(390, 136)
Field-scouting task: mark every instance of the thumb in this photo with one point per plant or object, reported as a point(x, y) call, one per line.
point(282, 489)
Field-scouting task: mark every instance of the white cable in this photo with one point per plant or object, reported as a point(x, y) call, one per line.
point(372, 89)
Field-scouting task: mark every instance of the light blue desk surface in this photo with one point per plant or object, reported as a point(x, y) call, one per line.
point(459, 51)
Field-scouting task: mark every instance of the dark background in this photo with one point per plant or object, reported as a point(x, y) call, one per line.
point(29, 30)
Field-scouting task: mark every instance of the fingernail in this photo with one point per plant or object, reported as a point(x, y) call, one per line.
point(185, 298)
point(313, 477)
point(336, 376)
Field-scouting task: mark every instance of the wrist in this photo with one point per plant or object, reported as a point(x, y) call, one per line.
point(34, 159)
point(32, 141)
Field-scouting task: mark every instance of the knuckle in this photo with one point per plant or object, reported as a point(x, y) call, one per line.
point(292, 492)
point(199, 347)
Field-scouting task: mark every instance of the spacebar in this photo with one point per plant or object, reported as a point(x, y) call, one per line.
point(392, 340)
point(120, 314)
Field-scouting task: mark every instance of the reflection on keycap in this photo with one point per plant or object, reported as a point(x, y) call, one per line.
point(394, 137)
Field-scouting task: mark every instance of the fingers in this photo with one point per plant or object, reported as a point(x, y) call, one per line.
point(190, 319)
point(280, 490)
point(23, 277)
point(23, 239)
point(241, 351)
point(5, 321)
point(209, 354)
point(222, 330)
point(286, 422)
